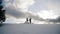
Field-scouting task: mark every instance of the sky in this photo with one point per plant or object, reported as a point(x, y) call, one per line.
point(41, 11)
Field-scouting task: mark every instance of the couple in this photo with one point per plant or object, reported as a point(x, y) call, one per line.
point(28, 21)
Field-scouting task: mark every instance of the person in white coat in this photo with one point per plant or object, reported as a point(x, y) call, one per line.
point(26, 22)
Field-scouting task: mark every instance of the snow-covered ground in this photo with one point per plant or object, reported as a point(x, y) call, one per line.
point(30, 29)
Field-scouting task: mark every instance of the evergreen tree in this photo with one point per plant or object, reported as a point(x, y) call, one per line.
point(2, 13)
point(0, 1)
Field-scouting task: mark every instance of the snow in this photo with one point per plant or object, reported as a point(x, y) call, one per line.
point(26, 22)
point(30, 29)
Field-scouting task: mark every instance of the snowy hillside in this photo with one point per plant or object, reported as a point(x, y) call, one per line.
point(29, 29)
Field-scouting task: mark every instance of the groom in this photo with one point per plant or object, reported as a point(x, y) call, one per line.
point(30, 20)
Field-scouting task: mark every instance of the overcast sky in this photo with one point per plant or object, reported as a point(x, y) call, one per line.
point(41, 11)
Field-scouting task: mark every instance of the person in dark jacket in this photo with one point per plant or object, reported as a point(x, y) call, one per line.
point(30, 20)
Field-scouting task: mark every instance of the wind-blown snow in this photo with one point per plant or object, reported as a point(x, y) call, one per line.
point(30, 29)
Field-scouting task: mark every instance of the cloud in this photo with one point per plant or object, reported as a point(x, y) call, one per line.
point(57, 20)
point(17, 12)
point(45, 14)
point(17, 7)
point(37, 9)
point(47, 9)
point(23, 4)
point(12, 11)
point(48, 5)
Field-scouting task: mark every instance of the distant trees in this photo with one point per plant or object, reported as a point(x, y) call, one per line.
point(2, 13)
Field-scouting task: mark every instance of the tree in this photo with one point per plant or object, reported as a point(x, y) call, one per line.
point(0, 1)
point(2, 13)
